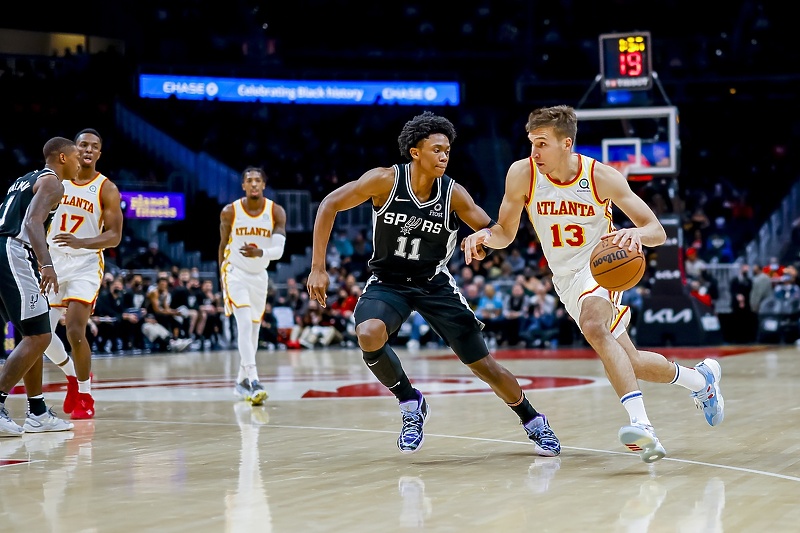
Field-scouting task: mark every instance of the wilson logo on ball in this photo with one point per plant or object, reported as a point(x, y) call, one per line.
point(610, 258)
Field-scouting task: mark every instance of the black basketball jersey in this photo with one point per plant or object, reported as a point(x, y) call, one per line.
point(14, 209)
point(414, 239)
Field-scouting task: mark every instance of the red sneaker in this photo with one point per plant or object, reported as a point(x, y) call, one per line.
point(71, 399)
point(84, 408)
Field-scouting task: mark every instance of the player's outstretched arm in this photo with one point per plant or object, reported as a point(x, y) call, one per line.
point(375, 184)
point(504, 231)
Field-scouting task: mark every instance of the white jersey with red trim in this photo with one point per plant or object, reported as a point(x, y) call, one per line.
point(248, 230)
point(569, 218)
point(79, 213)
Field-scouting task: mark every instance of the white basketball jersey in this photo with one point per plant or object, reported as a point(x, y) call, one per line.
point(246, 230)
point(79, 213)
point(569, 218)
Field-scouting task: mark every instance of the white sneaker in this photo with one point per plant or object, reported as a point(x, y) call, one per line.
point(47, 421)
point(179, 345)
point(641, 438)
point(9, 428)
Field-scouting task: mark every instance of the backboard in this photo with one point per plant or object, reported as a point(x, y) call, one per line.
point(640, 142)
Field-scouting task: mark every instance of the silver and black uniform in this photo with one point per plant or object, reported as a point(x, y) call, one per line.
point(413, 241)
point(21, 301)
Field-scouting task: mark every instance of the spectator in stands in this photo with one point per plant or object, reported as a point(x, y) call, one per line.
point(108, 311)
point(743, 320)
point(787, 288)
point(152, 259)
point(719, 246)
point(185, 302)
point(516, 261)
point(515, 305)
point(316, 327)
point(159, 308)
point(134, 301)
point(761, 288)
point(362, 252)
point(693, 265)
point(490, 312)
point(774, 269)
point(209, 324)
point(342, 311)
point(268, 334)
point(699, 291)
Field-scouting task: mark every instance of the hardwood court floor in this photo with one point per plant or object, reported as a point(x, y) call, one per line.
point(170, 450)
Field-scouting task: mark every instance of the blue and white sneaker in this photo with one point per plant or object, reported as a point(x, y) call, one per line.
point(641, 438)
point(709, 399)
point(544, 440)
point(415, 415)
point(8, 428)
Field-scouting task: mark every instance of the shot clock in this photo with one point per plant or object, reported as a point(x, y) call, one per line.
point(625, 61)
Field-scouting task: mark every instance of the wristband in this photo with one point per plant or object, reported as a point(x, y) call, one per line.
point(45, 266)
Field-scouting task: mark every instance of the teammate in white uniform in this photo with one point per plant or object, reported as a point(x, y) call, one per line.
point(88, 220)
point(569, 199)
point(252, 233)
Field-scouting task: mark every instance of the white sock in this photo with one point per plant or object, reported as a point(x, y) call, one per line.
point(56, 351)
point(634, 404)
point(85, 387)
point(688, 378)
point(252, 373)
point(244, 332)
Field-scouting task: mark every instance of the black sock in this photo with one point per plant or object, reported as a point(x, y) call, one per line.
point(3, 396)
point(36, 405)
point(386, 366)
point(524, 409)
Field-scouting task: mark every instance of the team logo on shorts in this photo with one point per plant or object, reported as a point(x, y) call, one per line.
point(34, 301)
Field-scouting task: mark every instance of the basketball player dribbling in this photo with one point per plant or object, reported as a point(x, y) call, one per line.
point(417, 208)
point(569, 199)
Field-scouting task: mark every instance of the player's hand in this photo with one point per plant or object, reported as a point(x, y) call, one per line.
point(473, 245)
point(479, 255)
point(630, 237)
point(67, 239)
point(49, 280)
point(251, 250)
point(317, 285)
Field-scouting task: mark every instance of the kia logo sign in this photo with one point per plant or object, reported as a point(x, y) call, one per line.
point(667, 316)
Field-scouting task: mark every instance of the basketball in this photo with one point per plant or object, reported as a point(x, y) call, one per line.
point(615, 268)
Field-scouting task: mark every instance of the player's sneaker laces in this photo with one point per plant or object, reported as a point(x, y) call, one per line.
point(9, 428)
point(257, 393)
point(709, 399)
point(47, 421)
point(544, 440)
point(242, 390)
point(641, 438)
point(84, 409)
point(415, 415)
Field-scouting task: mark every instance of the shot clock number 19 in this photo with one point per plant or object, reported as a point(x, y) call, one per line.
point(625, 61)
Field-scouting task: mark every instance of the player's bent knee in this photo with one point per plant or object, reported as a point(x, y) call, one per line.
point(371, 335)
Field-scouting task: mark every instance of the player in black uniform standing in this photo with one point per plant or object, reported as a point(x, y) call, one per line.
point(417, 212)
point(24, 214)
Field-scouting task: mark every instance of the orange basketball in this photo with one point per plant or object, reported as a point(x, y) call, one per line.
point(615, 268)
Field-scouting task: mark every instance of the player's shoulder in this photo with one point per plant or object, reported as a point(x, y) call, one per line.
point(603, 171)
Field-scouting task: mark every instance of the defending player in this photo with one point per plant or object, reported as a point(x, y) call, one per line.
point(88, 220)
